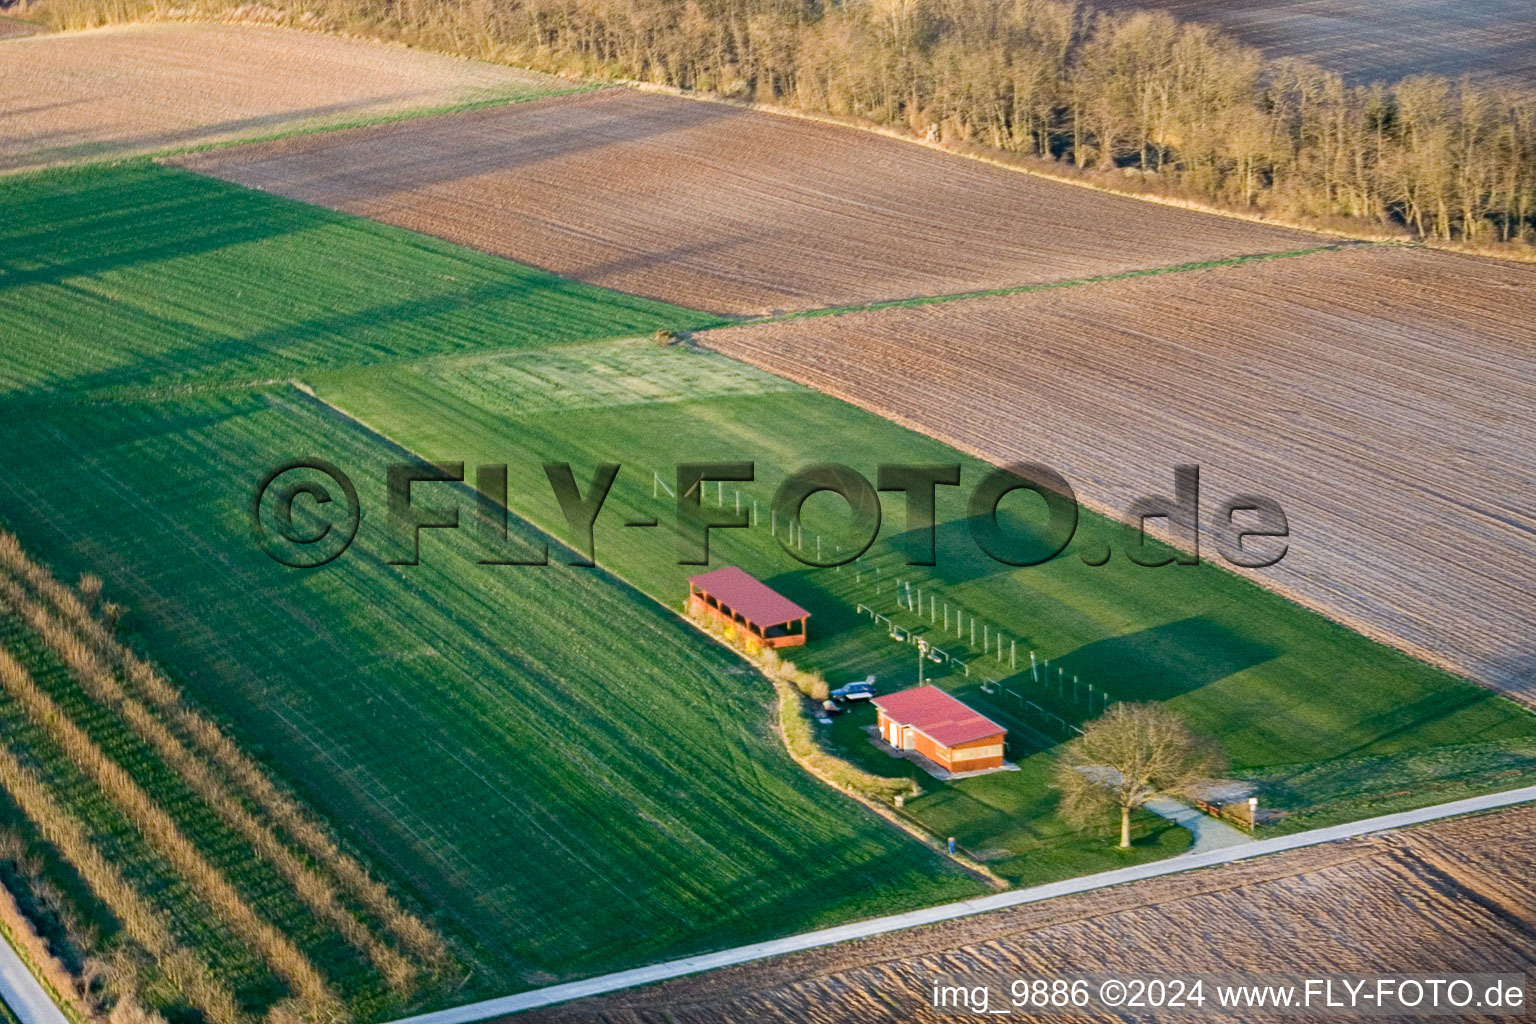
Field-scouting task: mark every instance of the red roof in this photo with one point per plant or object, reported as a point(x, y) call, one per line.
point(756, 601)
point(938, 716)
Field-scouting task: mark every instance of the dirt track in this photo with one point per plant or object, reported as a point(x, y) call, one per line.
point(1491, 40)
point(140, 88)
point(729, 210)
point(1453, 897)
point(1385, 397)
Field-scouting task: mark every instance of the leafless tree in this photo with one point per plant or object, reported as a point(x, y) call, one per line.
point(1183, 106)
point(1123, 759)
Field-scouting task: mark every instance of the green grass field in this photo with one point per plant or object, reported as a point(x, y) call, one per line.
point(138, 276)
point(567, 777)
point(1008, 820)
point(565, 774)
point(1282, 688)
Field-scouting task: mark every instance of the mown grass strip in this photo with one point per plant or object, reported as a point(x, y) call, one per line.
point(1042, 286)
point(367, 121)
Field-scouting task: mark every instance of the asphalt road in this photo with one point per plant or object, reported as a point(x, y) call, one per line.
point(23, 993)
point(929, 915)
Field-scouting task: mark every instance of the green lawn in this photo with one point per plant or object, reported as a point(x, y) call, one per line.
point(1276, 684)
point(135, 275)
point(568, 775)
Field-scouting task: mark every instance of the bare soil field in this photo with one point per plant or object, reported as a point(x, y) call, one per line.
point(1493, 40)
point(141, 88)
point(1386, 397)
point(1453, 897)
point(726, 209)
point(10, 27)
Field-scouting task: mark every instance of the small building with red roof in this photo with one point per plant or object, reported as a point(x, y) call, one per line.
point(941, 728)
point(731, 596)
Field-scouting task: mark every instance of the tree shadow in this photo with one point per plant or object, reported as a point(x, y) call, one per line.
point(1166, 661)
point(118, 218)
point(829, 615)
point(958, 557)
point(137, 218)
point(35, 150)
point(392, 162)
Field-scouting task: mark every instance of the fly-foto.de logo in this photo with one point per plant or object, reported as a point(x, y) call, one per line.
point(307, 512)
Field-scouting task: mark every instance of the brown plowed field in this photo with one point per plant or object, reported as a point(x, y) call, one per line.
point(1456, 897)
point(139, 88)
point(1491, 40)
point(726, 209)
point(1385, 397)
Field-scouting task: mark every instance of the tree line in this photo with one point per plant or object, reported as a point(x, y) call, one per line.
point(1165, 106)
point(1176, 108)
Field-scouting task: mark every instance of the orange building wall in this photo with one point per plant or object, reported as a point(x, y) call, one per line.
point(951, 759)
point(959, 762)
point(929, 749)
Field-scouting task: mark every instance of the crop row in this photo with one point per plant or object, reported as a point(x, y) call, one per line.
point(125, 728)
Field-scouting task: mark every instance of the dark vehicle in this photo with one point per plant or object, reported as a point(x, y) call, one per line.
point(862, 690)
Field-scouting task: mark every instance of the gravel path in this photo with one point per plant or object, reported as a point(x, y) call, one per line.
point(1210, 833)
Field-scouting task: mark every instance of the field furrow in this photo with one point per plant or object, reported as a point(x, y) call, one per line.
point(1491, 41)
point(1384, 397)
point(1379, 904)
point(727, 209)
point(109, 92)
